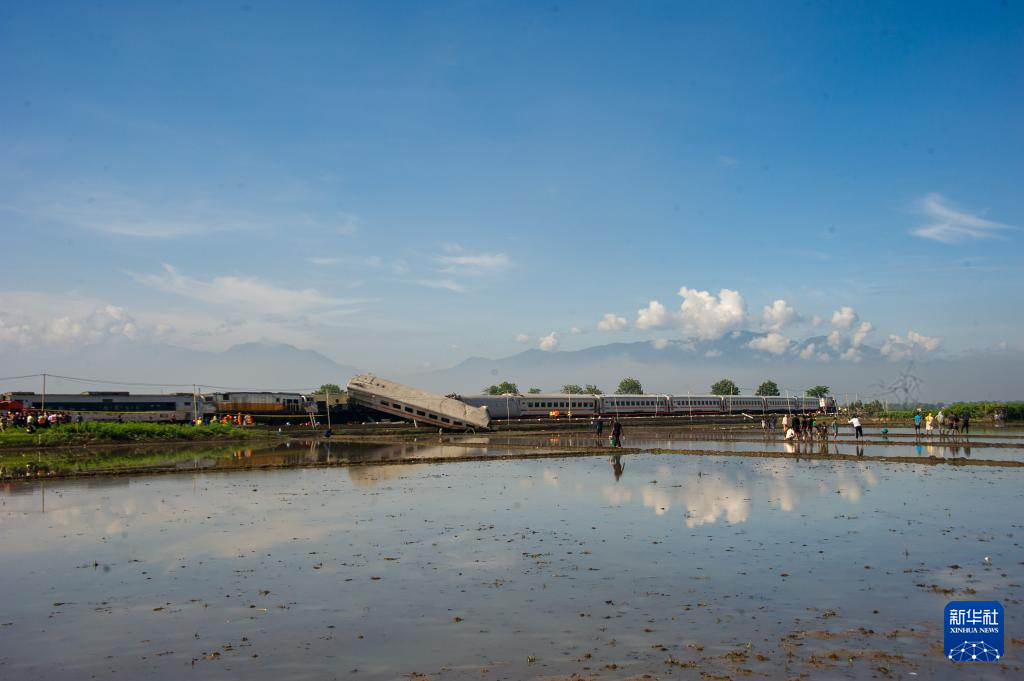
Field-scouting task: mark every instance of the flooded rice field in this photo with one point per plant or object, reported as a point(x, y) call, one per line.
point(603, 567)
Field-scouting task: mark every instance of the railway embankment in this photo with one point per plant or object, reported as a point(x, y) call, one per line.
point(95, 433)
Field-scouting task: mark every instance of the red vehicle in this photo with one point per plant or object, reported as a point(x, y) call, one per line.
point(11, 406)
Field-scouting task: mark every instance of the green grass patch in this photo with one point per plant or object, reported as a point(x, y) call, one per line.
point(92, 432)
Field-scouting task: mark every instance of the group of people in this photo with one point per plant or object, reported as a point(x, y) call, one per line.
point(802, 427)
point(616, 436)
point(946, 424)
point(31, 421)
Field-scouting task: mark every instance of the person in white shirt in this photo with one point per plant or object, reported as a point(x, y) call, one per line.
point(858, 432)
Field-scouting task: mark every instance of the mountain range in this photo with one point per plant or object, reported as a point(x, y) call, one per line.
point(662, 367)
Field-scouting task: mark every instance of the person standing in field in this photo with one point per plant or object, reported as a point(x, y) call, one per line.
point(858, 431)
point(929, 423)
point(917, 424)
point(616, 433)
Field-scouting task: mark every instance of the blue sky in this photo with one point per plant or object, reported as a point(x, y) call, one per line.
point(403, 185)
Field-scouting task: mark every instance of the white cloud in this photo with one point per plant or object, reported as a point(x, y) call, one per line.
point(817, 321)
point(851, 355)
point(949, 225)
point(575, 330)
point(522, 338)
point(862, 332)
point(844, 318)
point(104, 322)
point(473, 264)
point(835, 340)
point(654, 316)
point(609, 322)
point(774, 343)
point(549, 342)
point(446, 284)
point(929, 344)
point(808, 352)
point(824, 357)
point(708, 317)
point(248, 292)
point(659, 343)
point(712, 353)
point(777, 316)
point(897, 347)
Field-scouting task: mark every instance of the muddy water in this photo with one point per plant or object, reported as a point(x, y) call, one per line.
point(873, 446)
point(507, 569)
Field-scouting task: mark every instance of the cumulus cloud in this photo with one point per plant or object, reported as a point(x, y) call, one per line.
point(248, 292)
point(659, 343)
point(609, 322)
point(817, 321)
point(851, 355)
point(654, 316)
point(709, 317)
point(862, 332)
point(808, 352)
point(844, 318)
point(835, 340)
point(549, 342)
point(522, 338)
point(777, 316)
point(774, 343)
point(575, 330)
point(897, 347)
point(107, 322)
point(712, 353)
point(949, 225)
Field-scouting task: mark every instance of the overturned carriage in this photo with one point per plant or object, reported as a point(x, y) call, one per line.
point(413, 404)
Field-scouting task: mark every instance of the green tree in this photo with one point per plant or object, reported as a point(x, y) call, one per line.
point(819, 391)
point(630, 386)
point(592, 389)
point(572, 389)
point(534, 391)
point(332, 388)
point(502, 388)
point(768, 389)
point(725, 387)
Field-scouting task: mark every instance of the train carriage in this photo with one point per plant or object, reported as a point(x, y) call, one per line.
point(554, 405)
point(636, 405)
point(118, 406)
point(696, 404)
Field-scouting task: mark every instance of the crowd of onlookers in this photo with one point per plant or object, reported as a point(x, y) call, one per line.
point(32, 421)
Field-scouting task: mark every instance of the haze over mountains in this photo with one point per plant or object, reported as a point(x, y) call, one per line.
point(662, 367)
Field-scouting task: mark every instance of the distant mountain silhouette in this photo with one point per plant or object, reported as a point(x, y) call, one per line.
point(245, 366)
point(692, 366)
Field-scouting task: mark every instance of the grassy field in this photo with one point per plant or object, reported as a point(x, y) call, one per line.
point(72, 434)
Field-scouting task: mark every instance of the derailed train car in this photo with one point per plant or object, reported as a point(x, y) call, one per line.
point(412, 404)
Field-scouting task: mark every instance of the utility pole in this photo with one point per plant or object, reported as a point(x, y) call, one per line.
point(44, 393)
point(327, 406)
point(195, 417)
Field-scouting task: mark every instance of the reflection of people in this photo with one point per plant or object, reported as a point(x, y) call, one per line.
point(617, 466)
point(860, 450)
point(616, 433)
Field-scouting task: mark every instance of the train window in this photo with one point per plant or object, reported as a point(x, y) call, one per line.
point(409, 409)
point(396, 405)
point(420, 413)
point(444, 420)
point(384, 402)
point(458, 423)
